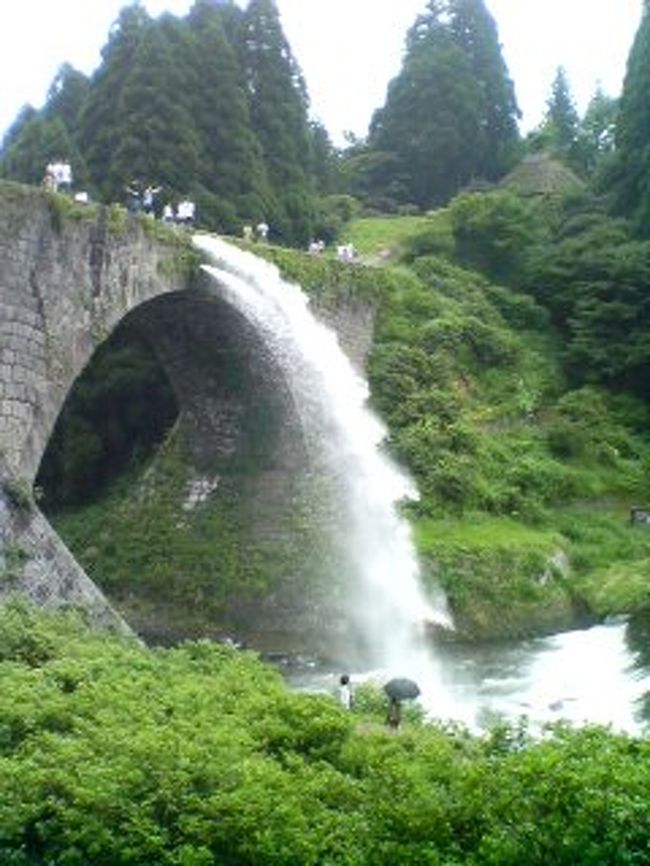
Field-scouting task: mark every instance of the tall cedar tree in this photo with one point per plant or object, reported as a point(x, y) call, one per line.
point(67, 96)
point(423, 139)
point(156, 138)
point(101, 123)
point(630, 177)
point(278, 104)
point(450, 115)
point(231, 171)
point(562, 117)
point(476, 32)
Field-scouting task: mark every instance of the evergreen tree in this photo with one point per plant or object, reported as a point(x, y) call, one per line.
point(101, 131)
point(560, 133)
point(324, 159)
point(278, 105)
point(562, 118)
point(67, 96)
point(232, 175)
point(426, 133)
point(629, 179)
point(596, 134)
point(157, 139)
point(450, 115)
point(476, 32)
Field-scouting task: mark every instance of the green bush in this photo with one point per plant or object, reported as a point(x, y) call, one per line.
point(115, 755)
point(492, 232)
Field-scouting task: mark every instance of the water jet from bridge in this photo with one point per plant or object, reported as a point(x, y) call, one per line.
point(383, 598)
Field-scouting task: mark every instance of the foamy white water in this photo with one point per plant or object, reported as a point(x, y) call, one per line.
point(583, 676)
point(386, 600)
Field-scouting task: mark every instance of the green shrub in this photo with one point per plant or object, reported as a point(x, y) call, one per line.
point(492, 232)
point(118, 756)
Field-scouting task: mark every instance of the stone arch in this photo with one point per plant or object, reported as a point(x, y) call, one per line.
point(236, 421)
point(65, 284)
point(68, 276)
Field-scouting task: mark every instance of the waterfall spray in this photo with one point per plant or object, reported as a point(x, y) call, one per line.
point(384, 599)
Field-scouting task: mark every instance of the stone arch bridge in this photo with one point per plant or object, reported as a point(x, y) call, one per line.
point(69, 275)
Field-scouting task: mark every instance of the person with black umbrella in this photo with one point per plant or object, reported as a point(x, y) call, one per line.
point(398, 690)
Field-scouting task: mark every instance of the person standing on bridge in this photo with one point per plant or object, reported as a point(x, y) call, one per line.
point(149, 199)
point(134, 197)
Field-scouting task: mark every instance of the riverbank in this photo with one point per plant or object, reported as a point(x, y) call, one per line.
point(532, 682)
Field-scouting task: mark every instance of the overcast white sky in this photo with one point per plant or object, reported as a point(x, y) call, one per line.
point(348, 49)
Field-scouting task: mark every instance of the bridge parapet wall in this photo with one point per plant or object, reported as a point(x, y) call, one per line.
point(67, 276)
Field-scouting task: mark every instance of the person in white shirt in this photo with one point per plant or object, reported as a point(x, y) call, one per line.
point(262, 231)
point(345, 692)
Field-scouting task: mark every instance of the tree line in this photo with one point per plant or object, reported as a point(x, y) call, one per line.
point(214, 105)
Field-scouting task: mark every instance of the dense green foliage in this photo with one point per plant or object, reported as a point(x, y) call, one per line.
point(112, 754)
point(511, 351)
point(586, 269)
point(448, 369)
point(450, 115)
point(628, 177)
point(210, 106)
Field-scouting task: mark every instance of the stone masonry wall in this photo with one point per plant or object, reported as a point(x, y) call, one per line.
point(67, 276)
point(64, 285)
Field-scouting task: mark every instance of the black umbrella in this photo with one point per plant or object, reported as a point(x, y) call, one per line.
point(402, 689)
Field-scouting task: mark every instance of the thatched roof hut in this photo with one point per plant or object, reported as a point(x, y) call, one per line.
point(540, 174)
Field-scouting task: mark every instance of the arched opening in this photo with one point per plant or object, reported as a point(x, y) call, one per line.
point(119, 411)
point(176, 475)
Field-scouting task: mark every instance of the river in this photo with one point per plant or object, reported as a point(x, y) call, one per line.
point(597, 675)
